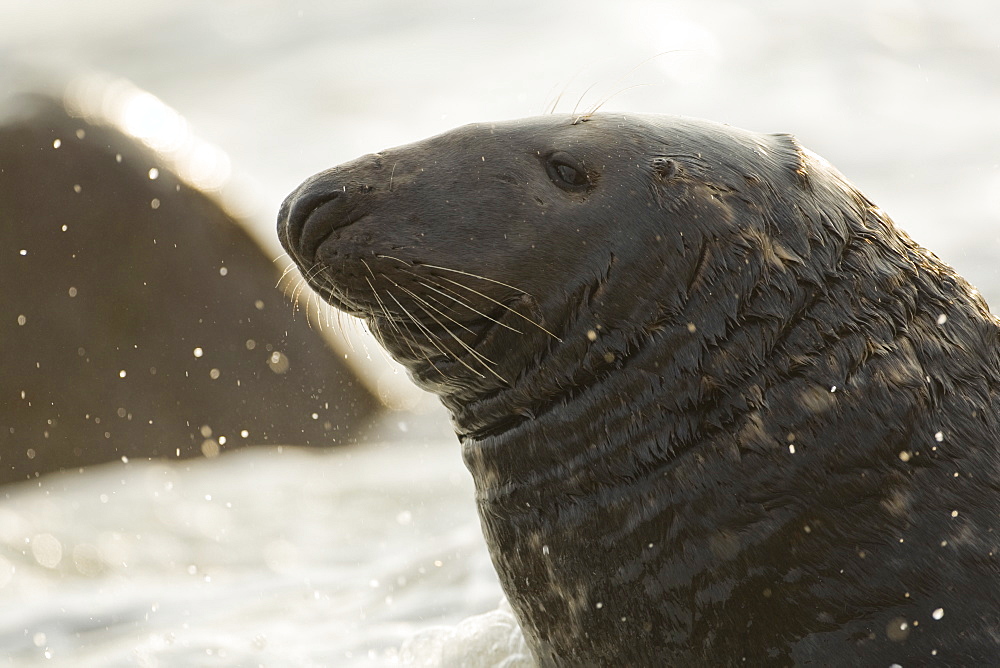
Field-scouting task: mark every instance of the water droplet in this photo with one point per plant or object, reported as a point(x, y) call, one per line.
point(57, 143)
point(897, 629)
point(938, 614)
point(278, 362)
point(942, 319)
point(46, 549)
point(939, 436)
point(210, 448)
point(121, 374)
point(154, 173)
point(198, 352)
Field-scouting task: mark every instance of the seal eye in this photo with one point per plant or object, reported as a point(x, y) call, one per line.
point(567, 172)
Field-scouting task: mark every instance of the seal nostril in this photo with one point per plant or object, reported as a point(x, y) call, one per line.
point(303, 230)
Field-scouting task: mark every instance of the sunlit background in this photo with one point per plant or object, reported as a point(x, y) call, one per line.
point(297, 558)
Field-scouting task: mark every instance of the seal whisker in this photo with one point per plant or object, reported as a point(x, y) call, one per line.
point(480, 294)
point(555, 103)
point(610, 97)
point(445, 291)
point(287, 270)
point(617, 81)
point(499, 303)
point(303, 283)
point(378, 300)
point(424, 305)
point(577, 119)
point(456, 298)
point(423, 301)
point(393, 324)
point(285, 254)
point(300, 284)
point(459, 271)
point(483, 361)
point(432, 338)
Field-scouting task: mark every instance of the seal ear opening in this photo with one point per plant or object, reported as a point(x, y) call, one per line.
point(665, 168)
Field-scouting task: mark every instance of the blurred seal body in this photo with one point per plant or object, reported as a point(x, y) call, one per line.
point(718, 409)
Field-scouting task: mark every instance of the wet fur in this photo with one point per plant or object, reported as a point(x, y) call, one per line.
point(718, 409)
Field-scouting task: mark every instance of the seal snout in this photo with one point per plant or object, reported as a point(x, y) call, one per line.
point(310, 214)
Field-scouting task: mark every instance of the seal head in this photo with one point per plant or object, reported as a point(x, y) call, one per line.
point(718, 409)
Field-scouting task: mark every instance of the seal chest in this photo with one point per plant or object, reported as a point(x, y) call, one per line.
point(718, 409)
